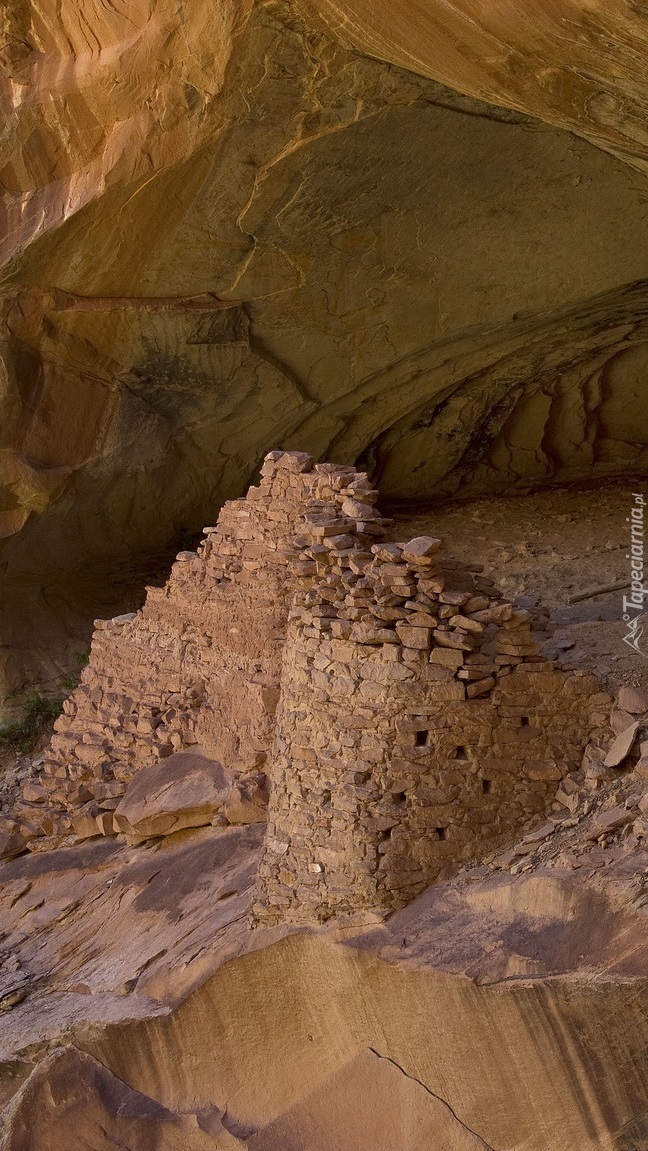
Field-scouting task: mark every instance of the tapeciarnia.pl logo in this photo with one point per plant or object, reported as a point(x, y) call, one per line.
point(633, 605)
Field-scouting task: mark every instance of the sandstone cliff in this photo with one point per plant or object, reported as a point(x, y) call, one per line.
point(176, 974)
point(335, 846)
point(411, 235)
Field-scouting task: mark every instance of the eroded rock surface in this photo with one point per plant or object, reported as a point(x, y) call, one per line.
point(516, 1001)
point(73, 1101)
point(411, 235)
point(575, 65)
point(347, 1111)
point(354, 259)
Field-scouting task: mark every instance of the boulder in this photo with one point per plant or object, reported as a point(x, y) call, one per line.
point(244, 803)
point(620, 720)
point(187, 789)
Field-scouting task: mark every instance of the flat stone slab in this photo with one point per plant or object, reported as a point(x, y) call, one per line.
point(633, 700)
point(184, 790)
point(622, 746)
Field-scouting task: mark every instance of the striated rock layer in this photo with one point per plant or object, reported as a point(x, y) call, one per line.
point(576, 64)
point(172, 986)
point(241, 225)
point(510, 1009)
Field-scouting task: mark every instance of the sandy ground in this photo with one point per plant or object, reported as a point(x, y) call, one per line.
point(552, 546)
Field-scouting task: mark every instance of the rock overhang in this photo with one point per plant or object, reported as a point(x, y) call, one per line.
point(355, 260)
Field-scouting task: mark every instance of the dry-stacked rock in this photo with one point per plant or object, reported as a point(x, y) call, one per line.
point(418, 727)
point(200, 664)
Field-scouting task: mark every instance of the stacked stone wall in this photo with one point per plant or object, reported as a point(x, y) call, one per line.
point(410, 719)
point(418, 727)
point(201, 662)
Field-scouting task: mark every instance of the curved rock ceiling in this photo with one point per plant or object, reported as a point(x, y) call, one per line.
point(578, 64)
point(410, 235)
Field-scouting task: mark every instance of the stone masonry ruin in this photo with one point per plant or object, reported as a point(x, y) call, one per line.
point(400, 710)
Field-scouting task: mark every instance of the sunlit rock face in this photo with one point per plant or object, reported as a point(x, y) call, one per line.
point(236, 227)
point(573, 63)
